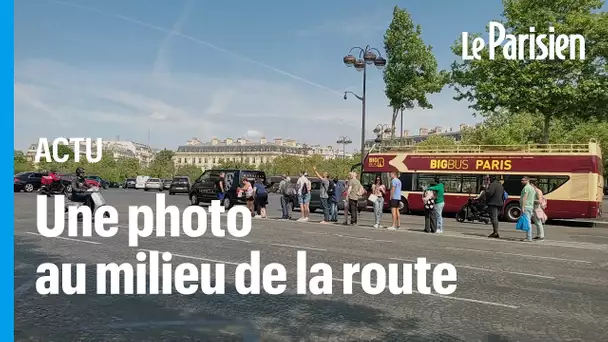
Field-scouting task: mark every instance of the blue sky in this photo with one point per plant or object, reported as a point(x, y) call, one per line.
point(274, 68)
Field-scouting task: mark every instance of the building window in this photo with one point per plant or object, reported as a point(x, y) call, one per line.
point(213, 160)
point(199, 160)
point(205, 160)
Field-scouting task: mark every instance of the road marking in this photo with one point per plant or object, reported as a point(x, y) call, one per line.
point(354, 281)
point(448, 297)
point(517, 254)
point(238, 240)
point(64, 238)
point(353, 237)
point(299, 247)
point(194, 258)
point(481, 269)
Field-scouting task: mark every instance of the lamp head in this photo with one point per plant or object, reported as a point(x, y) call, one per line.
point(345, 96)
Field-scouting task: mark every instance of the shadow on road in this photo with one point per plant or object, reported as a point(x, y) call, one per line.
point(229, 317)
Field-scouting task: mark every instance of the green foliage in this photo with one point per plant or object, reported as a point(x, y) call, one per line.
point(555, 89)
point(411, 72)
point(162, 166)
point(437, 140)
point(191, 171)
point(20, 162)
point(235, 164)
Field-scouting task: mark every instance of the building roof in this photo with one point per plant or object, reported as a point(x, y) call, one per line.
point(222, 147)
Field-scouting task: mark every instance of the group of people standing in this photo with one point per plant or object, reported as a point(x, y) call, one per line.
point(531, 201)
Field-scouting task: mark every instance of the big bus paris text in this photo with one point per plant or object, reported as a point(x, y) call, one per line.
point(570, 176)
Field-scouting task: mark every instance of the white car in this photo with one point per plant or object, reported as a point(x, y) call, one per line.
point(140, 182)
point(154, 184)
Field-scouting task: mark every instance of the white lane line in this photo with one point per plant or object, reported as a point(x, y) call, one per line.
point(517, 254)
point(195, 258)
point(353, 237)
point(482, 269)
point(449, 297)
point(64, 238)
point(238, 240)
point(299, 247)
point(354, 282)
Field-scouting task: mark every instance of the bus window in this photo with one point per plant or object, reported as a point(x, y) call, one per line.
point(550, 183)
point(407, 182)
point(470, 184)
point(368, 178)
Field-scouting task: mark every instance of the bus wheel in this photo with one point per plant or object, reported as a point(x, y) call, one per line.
point(403, 207)
point(512, 212)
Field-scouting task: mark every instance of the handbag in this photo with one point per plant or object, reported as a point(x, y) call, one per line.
point(372, 198)
point(523, 223)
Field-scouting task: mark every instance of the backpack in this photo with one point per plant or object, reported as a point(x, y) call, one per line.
point(304, 188)
point(505, 195)
point(331, 189)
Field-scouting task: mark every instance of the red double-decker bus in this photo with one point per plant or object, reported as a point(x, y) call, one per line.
point(570, 176)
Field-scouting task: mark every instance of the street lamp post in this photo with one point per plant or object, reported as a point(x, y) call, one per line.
point(365, 57)
point(344, 141)
point(380, 130)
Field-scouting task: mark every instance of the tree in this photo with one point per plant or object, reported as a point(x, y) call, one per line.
point(437, 141)
point(191, 171)
point(554, 89)
point(411, 72)
point(162, 166)
point(234, 164)
point(20, 163)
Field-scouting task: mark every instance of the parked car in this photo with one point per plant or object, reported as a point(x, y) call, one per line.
point(140, 182)
point(102, 183)
point(179, 184)
point(114, 185)
point(129, 183)
point(204, 189)
point(27, 181)
point(154, 184)
point(31, 181)
point(166, 184)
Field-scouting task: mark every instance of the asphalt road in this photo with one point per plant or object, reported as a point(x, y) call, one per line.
point(507, 290)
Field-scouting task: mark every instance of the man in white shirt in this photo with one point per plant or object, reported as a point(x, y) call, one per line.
point(304, 187)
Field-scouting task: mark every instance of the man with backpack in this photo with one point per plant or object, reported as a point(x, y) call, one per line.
point(495, 199)
point(304, 188)
point(286, 191)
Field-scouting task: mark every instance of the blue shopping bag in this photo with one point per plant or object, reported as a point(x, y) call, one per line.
point(523, 223)
point(220, 196)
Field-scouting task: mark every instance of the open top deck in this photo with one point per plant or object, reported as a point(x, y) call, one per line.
point(591, 148)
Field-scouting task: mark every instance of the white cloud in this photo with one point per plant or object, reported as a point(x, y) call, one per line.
point(54, 99)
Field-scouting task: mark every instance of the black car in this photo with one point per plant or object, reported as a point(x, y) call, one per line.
point(167, 183)
point(204, 189)
point(129, 183)
point(27, 181)
point(179, 184)
point(31, 181)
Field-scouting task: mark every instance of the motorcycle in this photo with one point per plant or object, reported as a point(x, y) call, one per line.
point(472, 212)
point(97, 198)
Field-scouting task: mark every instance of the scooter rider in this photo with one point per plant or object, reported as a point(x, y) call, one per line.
point(80, 188)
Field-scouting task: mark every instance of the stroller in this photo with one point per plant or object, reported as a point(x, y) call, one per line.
point(52, 185)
